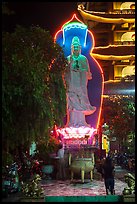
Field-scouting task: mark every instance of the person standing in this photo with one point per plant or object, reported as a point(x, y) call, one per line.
point(108, 171)
point(61, 163)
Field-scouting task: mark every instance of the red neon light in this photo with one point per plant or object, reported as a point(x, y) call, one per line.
point(101, 91)
point(74, 16)
point(56, 35)
point(92, 36)
point(52, 62)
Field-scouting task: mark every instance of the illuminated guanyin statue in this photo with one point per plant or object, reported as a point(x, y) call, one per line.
point(78, 105)
point(85, 82)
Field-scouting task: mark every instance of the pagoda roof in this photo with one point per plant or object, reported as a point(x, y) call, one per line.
point(120, 87)
point(114, 52)
point(118, 50)
point(100, 18)
point(113, 57)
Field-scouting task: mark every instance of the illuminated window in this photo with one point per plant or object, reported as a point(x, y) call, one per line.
point(128, 36)
point(132, 6)
point(128, 5)
point(128, 70)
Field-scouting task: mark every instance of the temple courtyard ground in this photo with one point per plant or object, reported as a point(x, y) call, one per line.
point(88, 188)
point(66, 188)
point(76, 188)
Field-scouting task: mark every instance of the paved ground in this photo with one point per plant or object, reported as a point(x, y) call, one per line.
point(75, 188)
point(119, 173)
point(67, 188)
point(95, 187)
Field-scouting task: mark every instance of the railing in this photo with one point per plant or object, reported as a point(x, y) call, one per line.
point(124, 11)
point(124, 43)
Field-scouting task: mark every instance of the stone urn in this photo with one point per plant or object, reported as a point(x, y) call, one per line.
point(47, 170)
point(82, 165)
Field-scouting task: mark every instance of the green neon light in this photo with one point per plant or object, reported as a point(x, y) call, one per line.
point(74, 24)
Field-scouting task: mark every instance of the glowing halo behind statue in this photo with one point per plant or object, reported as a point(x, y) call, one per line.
point(80, 120)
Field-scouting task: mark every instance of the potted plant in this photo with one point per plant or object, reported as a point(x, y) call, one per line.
point(46, 147)
point(32, 190)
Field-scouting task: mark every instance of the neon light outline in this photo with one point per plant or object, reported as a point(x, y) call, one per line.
point(74, 25)
point(74, 16)
point(90, 52)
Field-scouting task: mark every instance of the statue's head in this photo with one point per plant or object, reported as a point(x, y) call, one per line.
point(75, 45)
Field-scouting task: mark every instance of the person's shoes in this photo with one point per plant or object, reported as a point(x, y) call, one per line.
point(112, 192)
point(107, 192)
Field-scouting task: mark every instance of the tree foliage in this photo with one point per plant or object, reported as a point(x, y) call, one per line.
point(33, 91)
point(6, 10)
point(119, 114)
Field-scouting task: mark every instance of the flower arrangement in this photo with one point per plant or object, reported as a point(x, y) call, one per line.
point(33, 188)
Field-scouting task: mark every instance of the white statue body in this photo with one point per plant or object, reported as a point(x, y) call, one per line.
point(78, 104)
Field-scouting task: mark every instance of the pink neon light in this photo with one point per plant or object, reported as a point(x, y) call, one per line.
point(71, 132)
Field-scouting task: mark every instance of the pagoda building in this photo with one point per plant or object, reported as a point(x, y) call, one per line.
point(113, 27)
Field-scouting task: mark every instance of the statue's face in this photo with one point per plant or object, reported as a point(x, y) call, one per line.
point(76, 49)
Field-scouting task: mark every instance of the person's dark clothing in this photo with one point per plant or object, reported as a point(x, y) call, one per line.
point(109, 184)
point(108, 174)
point(108, 171)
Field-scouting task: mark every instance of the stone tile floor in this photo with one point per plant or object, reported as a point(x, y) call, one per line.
point(76, 188)
point(88, 188)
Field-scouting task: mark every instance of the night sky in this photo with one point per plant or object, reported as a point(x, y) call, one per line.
point(48, 15)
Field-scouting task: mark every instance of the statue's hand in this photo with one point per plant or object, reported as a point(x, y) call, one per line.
point(89, 76)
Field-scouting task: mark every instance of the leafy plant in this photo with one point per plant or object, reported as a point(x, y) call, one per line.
point(7, 159)
point(45, 147)
point(119, 114)
point(33, 187)
point(33, 90)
